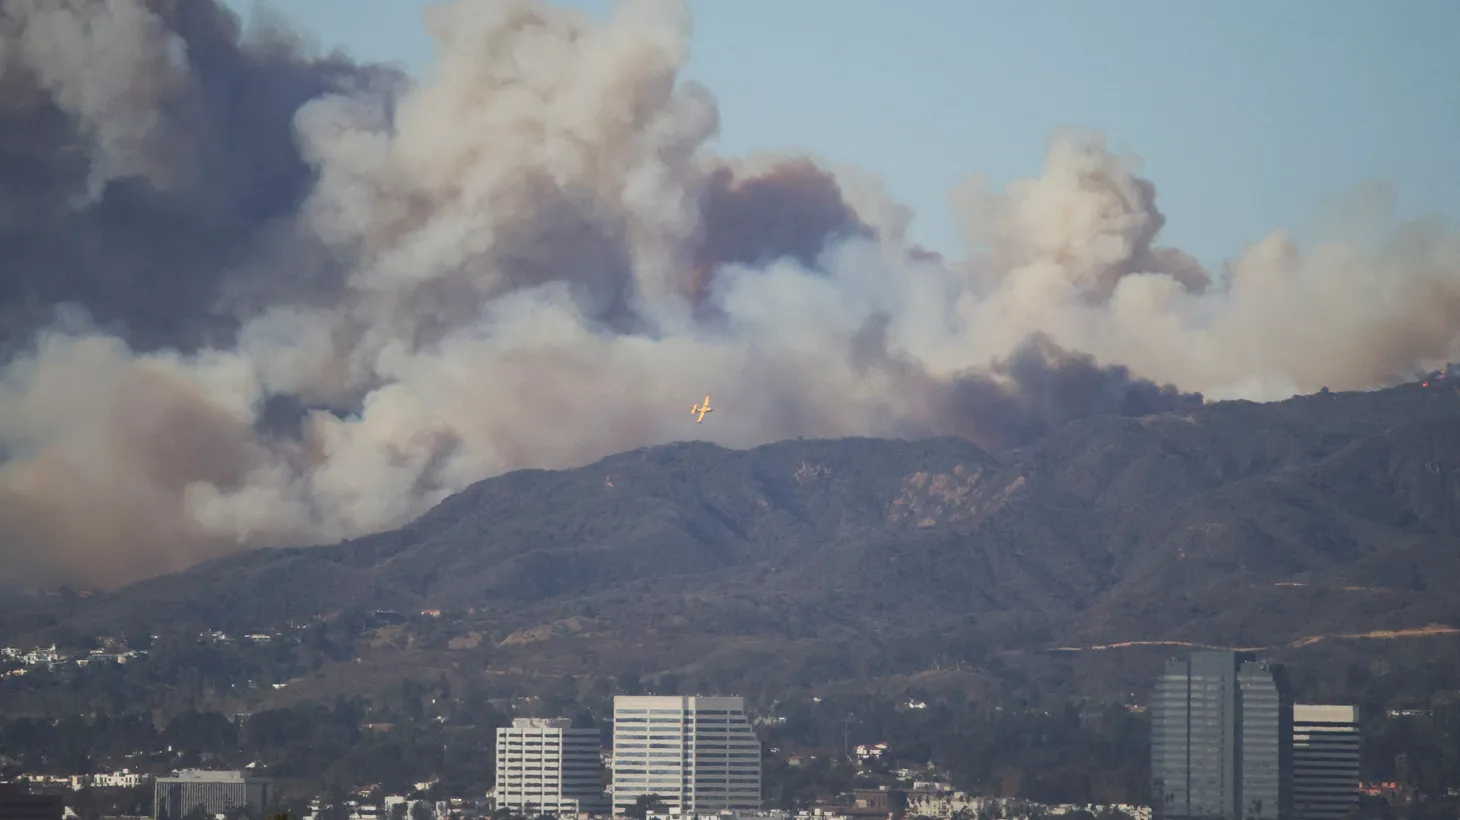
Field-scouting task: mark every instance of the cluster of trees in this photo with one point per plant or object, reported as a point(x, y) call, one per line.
point(1423, 748)
point(180, 671)
point(327, 745)
point(1095, 753)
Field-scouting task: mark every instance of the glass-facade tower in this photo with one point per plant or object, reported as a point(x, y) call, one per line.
point(1221, 738)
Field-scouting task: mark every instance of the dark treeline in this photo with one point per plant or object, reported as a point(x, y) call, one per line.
point(1068, 754)
point(180, 671)
point(1052, 749)
point(326, 746)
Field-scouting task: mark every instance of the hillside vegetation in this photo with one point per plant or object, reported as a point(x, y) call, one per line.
point(813, 562)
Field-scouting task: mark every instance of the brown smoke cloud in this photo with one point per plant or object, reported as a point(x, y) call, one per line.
point(250, 296)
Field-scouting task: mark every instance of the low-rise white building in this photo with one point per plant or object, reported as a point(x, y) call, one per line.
point(123, 779)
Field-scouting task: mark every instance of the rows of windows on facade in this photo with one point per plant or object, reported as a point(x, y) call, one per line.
point(692, 756)
point(1228, 742)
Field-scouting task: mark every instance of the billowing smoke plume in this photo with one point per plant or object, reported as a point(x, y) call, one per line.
point(253, 297)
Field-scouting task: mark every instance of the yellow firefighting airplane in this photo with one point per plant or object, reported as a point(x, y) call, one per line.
point(702, 409)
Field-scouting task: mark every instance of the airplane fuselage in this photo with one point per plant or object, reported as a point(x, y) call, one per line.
point(701, 409)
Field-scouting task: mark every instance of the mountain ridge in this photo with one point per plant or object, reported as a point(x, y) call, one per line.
point(1194, 527)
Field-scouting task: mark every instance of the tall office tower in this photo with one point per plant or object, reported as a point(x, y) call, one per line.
point(544, 766)
point(1221, 731)
point(1265, 742)
point(1325, 761)
point(698, 754)
point(216, 792)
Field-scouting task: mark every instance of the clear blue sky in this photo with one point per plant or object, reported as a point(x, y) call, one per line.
point(1249, 115)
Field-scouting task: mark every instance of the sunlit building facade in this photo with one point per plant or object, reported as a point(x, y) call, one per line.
point(698, 755)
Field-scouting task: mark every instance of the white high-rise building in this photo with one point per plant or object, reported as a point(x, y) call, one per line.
point(1325, 761)
point(699, 754)
point(546, 767)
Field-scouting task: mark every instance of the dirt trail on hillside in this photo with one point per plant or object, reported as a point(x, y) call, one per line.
point(1379, 634)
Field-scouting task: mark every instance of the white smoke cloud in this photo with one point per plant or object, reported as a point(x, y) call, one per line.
point(531, 258)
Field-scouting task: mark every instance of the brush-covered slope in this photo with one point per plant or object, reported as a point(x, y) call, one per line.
point(1238, 524)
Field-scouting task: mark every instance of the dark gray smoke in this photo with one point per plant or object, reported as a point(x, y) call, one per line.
point(794, 210)
point(135, 185)
point(1041, 386)
point(1014, 400)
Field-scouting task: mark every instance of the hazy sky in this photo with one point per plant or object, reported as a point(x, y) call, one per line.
point(1249, 115)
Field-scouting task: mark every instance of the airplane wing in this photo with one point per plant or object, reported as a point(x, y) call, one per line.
point(707, 399)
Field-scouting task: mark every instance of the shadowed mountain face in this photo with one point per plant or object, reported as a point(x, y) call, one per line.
point(1235, 524)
